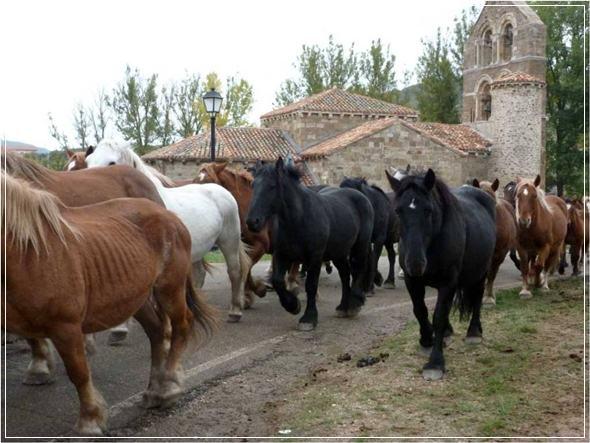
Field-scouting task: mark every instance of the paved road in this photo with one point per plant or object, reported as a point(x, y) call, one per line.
point(121, 373)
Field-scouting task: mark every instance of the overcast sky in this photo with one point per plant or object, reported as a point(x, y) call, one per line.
point(58, 53)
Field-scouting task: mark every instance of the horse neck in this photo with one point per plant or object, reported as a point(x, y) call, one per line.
point(142, 167)
point(239, 188)
point(291, 206)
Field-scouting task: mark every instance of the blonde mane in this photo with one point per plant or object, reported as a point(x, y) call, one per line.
point(24, 168)
point(540, 194)
point(27, 211)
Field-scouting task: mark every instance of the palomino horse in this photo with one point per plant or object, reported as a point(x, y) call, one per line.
point(75, 189)
point(447, 242)
point(239, 183)
point(505, 235)
point(310, 228)
point(209, 212)
point(75, 271)
point(577, 228)
point(542, 226)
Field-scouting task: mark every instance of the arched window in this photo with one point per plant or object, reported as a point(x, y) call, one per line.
point(487, 48)
point(506, 41)
point(485, 102)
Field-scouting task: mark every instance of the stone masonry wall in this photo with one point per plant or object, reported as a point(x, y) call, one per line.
point(395, 146)
point(178, 170)
point(518, 122)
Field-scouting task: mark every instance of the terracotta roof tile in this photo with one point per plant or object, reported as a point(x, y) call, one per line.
point(338, 101)
point(234, 144)
point(457, 137)
point(515, 78)
point(346, 138)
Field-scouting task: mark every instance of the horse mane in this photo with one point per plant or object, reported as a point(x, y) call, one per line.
point(24, 168)
point(164, 179)
point(540, 194)
point(30, 210)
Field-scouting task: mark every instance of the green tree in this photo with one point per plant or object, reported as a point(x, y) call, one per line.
point(438, 96)
point(166, 128)
point(99, 116)
point(135, 105)
point(377, 73)
point(187, 96)
point(55, 160)
point(565, 95)
point(462, 25)
point(238, 98)
point(82, 125)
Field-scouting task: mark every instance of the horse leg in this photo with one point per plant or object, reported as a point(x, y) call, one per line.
point(289, 301)
point(69, 342)
point(475, 331)
point(514, 258)
point(231, 252)
point(293, 277)
point(118, 334)
point(525, 292)
point(378, 278)
point(156, 330)
point(343, 268)
point(435, 368)
point(563, 262)
point(390, 281)
point(309, 320)
point(543, 264)
point(489, 298)
point(360, 269)
point(258, 286)
point(40, 370)
point(575, 255)
point(417, 291)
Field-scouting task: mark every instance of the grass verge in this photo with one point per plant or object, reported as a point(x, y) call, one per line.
point(526, 379)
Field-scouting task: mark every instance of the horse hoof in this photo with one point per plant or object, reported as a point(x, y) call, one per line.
point(401, 273)
point(150, 400)
point(447, 340)
point(351, 313)
point(488, 302)
point(116, 337)
point(432, 374)
point(389, 284)
point(525, 295)
point(424, 351)
point(301, 326)
point(38, 378)
point(473, 340)
point(234, 318)
point(88, 429)
point(248, 301)
point(340, 313)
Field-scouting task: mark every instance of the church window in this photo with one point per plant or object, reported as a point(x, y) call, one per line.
point(487, 48)
point(507, 40)
point(485, 102)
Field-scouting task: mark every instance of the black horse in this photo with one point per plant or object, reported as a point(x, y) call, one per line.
point(447, 242)
point(383, 226)
point(310, 228)
point(510, 197)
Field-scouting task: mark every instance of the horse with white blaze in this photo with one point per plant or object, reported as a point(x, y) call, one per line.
point(209, 212)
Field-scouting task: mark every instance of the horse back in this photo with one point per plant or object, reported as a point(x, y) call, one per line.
point(559, 217)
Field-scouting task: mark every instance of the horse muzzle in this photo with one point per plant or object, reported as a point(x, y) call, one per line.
point(524, 223)
point(254, 224)
point(415, 268)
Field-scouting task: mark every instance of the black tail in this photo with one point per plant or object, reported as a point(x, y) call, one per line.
point(467, 301)
point(205, 316)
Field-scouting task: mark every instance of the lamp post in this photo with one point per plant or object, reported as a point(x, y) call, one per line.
point(212, 100)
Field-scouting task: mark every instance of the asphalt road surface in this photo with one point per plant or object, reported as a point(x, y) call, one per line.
point(121, 372)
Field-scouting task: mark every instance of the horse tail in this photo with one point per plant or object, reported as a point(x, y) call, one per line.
point(205, 316)
point(207, 267)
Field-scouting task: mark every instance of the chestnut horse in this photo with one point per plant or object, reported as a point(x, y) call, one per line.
point(75, 271)
point(75, 189)
point(542, 226)
point(77, 160)
point(239, 184)
point(577, 228)
point(505, 235)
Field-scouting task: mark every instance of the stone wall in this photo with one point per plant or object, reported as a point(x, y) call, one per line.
point(178, 170)
point(396, 146)
point(518, 125)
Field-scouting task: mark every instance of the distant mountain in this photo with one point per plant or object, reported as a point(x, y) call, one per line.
point(12, 145)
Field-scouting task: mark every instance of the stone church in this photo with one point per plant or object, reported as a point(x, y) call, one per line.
point(336, 133)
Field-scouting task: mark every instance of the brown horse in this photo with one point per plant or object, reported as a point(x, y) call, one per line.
point(75, 189)
point(74, 271)
point(505, 235)
point(77, 160)
point(542, 226)
point(239, 184)
point(577, 226)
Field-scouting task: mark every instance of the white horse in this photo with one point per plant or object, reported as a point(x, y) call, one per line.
point(209, 212)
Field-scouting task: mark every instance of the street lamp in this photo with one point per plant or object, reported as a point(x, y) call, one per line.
point(212, 100)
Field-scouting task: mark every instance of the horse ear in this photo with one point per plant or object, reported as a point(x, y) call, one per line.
point(518, 179)
point(280, 165)
point(393, 182)
point(429, 179)
point(408, 169)
point(475, 183)
point(89, 151)
point(69, 153)
point(537, 181)
point(220, 166)
point(496, 185)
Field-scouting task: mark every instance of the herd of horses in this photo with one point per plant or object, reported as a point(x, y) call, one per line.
point(110, 238)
